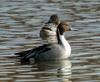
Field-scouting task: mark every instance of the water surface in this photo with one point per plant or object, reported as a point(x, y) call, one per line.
point(20, 23)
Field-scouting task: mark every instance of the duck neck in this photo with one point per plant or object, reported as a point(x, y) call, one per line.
point(62, 41)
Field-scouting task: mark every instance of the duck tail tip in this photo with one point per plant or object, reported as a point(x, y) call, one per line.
point(24, 61)
point(22, 58)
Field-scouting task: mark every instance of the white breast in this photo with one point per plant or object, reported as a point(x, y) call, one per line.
point(66, 45)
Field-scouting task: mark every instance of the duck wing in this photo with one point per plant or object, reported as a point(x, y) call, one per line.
point(33, 53)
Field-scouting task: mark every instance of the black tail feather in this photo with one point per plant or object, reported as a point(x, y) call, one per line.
point(23, 57)
point(24, 61)
point(23, 53)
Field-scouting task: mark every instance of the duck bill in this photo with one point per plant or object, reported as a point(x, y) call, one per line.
point(73, 29)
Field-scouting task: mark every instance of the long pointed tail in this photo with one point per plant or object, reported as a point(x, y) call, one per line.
point(23, 56)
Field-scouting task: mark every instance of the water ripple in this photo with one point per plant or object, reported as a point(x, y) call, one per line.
point(20, 23)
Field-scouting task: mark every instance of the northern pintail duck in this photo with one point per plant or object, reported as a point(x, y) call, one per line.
point(55, 51)
point(48, 31)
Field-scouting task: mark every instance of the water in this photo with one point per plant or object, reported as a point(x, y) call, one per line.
point(20, 23)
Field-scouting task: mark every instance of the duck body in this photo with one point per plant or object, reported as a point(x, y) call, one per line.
point(46, 52)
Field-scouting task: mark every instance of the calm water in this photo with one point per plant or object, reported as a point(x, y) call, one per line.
point(20, 23)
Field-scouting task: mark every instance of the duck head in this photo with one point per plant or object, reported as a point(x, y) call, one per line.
point(54, 19)
point(63, 27)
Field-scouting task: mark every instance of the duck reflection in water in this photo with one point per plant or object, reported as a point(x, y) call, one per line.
point(60, 70)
